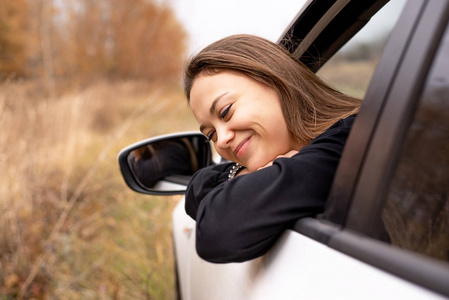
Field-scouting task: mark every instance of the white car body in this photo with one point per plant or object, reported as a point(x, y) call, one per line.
point(297, 267)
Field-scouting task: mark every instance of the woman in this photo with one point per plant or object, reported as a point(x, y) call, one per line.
point(283, 128)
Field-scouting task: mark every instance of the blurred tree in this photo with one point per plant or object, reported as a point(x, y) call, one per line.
point(125, 39)
point(13, 28)
point(87, 39)
point(144, 34)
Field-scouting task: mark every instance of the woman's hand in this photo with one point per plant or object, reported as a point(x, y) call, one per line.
point(288, 154)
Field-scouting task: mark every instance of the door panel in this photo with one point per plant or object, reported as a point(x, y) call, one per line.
point(297, 267)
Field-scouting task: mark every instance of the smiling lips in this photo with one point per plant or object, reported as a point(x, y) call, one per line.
point(240, 149)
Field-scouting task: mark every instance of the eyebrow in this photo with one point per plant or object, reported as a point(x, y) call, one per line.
point(213, 107)
point(214, 103)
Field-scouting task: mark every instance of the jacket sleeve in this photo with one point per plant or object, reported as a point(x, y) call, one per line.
point(241, 219)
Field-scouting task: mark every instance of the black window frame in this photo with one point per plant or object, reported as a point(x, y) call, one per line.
point(319, 31)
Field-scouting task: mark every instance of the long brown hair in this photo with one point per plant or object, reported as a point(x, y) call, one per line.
point(310, 106)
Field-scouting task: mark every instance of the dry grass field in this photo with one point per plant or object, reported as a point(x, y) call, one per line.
point(71, 229)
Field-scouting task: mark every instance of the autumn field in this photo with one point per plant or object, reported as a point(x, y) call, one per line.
point(80, 80)
point(71, 229)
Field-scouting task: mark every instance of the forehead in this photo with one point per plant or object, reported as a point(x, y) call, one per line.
point(206, 87)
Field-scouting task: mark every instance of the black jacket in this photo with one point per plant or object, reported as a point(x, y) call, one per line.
point(241, 219)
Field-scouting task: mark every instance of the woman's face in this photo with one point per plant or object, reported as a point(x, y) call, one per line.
point(242, 117)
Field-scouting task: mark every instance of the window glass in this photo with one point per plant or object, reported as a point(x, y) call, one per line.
point(351, 68)
point(416, 212)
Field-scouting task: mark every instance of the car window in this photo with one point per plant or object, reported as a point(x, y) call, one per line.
point(351, 68)
point(416, 211)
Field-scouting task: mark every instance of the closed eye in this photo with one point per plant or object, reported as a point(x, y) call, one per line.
point(210, 135)
point(225, 111)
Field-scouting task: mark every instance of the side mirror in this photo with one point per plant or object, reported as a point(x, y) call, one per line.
point(164, 164)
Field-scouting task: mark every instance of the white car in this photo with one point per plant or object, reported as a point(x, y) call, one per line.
point(385, 231)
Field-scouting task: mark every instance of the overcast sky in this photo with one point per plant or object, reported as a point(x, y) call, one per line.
point(209, 20)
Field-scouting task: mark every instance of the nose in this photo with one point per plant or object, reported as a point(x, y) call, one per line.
point(224, 136)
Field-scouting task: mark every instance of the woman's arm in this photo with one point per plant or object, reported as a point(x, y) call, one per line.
point(241, 219)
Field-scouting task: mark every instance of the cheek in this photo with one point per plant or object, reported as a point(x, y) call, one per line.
point(275, 124)
point(278, 132)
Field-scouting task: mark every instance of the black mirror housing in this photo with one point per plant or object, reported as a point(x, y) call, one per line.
point(163, 165)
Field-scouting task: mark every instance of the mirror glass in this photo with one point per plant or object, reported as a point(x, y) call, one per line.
point(168, 164)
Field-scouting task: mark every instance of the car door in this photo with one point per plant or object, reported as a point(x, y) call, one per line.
point(391, 180)
point(402, 181)
point(342, 254)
